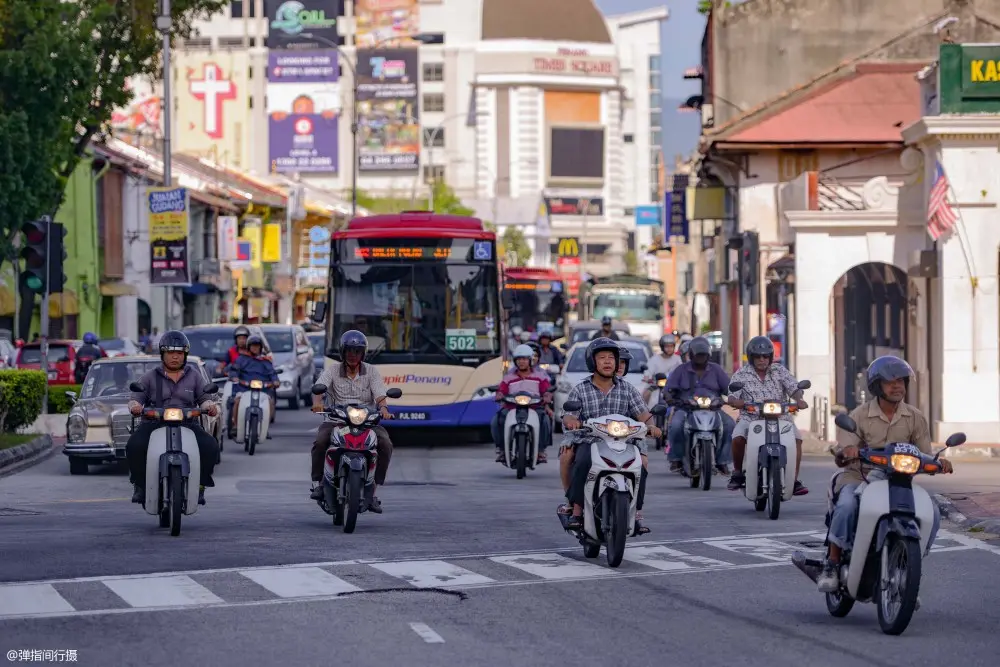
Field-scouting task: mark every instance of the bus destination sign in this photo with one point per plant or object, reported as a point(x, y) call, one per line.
point(400, 252)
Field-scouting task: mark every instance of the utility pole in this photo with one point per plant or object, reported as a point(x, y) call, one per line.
point(44, 315)
point(164, 23)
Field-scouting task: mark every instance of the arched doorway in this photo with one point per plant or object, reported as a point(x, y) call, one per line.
point(870, 320)
point(144, 315)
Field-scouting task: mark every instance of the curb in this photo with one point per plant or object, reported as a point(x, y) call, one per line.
point(950, 512)
point(27, 454)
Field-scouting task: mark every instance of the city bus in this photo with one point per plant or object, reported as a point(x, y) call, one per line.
point(425, 289)
point(538, 298)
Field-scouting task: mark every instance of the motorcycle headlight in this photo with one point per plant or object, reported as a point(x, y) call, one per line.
point(661, 383)
point(76, 429)
point(617, 429)
point(173, 415)
point(357, 416)
point(905, 463)
point(522, 400)
point(256, 384)
point(703, 401)
point(772, 409)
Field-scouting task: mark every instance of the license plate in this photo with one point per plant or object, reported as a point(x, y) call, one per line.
point(53, 375)
point(412, 416)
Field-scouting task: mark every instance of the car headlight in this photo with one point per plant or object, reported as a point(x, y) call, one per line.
point(522, 400)
point(772, 409)
point(173, 415)
point(357, 416)
point(703, 401)
point(905, 463)
point(76, 429)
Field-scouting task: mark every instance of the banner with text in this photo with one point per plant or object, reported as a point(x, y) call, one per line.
point(298, 24)
point(382, 21)
point(303, 102)
point(388, 110)
point(168, 215)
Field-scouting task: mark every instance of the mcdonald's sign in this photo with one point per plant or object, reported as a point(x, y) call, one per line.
point(569, 247)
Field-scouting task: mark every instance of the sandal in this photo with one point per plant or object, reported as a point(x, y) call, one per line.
point(542, 458)
point(565, 509)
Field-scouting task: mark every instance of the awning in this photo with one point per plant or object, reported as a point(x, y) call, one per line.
point(118, 289)
point(216, 202)
point(63, 304)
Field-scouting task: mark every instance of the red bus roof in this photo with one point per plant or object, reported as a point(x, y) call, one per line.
point(531, 273)
point(419, 224)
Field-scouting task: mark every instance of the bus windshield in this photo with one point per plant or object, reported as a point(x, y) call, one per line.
point(628, 307)
point(545, 303)
point(433, 312)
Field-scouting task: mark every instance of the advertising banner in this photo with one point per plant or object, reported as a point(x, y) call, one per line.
point(290, 20)
point(385, 22)
point(271, 244)
point(168, 215)
point(648, 215)
point(388, 110)
point(303, 102)
point(227, 228)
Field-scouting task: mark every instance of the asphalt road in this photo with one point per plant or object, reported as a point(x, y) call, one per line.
point(466, 567)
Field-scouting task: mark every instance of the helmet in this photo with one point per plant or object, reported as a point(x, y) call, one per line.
point(535, 347)
point(699, 345)
point(887, 368)
point(89, 338)
point(254, 339)
point(760, 346)
point(685, 338)
point(516, 330)
point(353, 339)
point(606, 320)
point(667, 339)
point(523, 352)
point(240, 331)
point(545, 333)
point(174, 341)
point(624, 355)
point(600, 345)
point(685, 348)
point(525, 336)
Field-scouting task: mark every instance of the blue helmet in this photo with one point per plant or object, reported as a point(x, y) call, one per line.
point(89, 338)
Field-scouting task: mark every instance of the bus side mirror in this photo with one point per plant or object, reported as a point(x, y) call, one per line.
point(319, 312)
point(507, 300)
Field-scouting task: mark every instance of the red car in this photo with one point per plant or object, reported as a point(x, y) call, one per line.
point(61, 365)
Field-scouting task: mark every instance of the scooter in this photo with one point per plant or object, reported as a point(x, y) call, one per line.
point(702, 432)
point(658, 397)
point(173, 464)
point(254, 414)
point(521, 431)
point(612, 489)
point(771, 452)
point(894, 523)
point(351, 457)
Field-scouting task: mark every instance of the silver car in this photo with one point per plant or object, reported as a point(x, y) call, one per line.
point(574, 370)
point(99, 423)
point(290, 350)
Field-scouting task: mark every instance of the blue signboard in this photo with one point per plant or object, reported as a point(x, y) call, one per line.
point(676, 230)
point(648, 216)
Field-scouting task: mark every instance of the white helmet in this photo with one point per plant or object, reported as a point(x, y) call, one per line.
point(523, 352)
point(516, 330)
point(686, 337)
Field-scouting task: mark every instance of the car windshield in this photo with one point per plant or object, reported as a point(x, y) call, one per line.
point(210, 344)
point(578, 362)
point(318, 345)
point(33, 355)
point(112, 344)
point(281, 341)
point(114, 378)
point(628, 307)
point(437, 312)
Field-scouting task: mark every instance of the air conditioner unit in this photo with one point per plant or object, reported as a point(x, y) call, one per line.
point(708, 115)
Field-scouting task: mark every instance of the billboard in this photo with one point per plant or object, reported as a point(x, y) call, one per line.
point(385, 22)
point(303, 102)
point(288, 22)
point(388, 110)
point(168, 217)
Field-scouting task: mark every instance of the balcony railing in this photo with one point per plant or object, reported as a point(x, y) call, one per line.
point(814, 191)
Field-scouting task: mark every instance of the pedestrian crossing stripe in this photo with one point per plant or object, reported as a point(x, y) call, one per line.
point(314, 582)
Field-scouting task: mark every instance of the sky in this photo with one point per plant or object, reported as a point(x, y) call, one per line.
point(681, 48)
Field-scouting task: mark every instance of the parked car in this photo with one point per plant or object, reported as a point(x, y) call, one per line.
point(119, 347)
point(8, 353)
point(318, 341)
point(99, 423)
point(575, 370)
point(61, 362)
point(585, 330)
point(290, 350)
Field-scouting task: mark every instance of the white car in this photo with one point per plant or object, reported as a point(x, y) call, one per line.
point(574, 370)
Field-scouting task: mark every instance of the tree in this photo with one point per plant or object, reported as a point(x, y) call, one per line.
point(514, 248)
point(631, 263)
point(63, 69)
point(445, 201)
point(705, 6)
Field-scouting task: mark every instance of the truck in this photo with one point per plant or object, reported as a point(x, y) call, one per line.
point(634, 299)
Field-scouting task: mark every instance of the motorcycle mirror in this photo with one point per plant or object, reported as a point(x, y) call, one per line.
point(319, 312)
point(279, 371)
point(954, 440)
point(735, 387)
point(805, 384)
point(211, 388)
point(572, 406)
point(660, 376)
point(643, 368)
point(318, 389)
point(394, 393)
point(659, 410)
point(71, 395)
point(135, 386)
point(845, 423)
point(493, 387)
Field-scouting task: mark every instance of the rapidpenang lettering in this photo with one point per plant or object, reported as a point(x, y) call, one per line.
point(417, 379)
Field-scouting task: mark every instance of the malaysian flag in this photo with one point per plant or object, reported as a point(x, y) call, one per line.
point(941, 217)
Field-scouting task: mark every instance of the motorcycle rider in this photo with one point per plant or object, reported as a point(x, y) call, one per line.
point(683, 351)
point(548, 354)
point(250, 365)
point(603, 393)
point(525, 377)
point(698, 373)
point(174, 384)
point(85, 356)
point(882, 420)
point(606, 331)
point(240, 336)
point(763, 380)
point(665, 363)
point(624, 359)
point(351, 380)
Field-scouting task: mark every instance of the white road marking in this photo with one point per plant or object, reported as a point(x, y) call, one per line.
point(160, 591)
point(765, 548)
point(425, 633)
point(666, 559)
point(551, 566)
point(431, 573)
point(299, 582)
point(28, 599)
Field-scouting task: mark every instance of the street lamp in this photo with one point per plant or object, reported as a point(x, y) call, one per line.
point(431, 137)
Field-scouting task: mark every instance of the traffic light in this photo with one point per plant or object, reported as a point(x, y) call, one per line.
point(751, 266)
point(57, 256)
point(34, 252)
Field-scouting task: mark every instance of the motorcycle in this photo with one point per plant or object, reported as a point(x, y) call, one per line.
point(254, 415)
point(658, 397)
point(173, 464)
point(612, 489)
point(894, 522)
point(521, 431)
point(770, 450)
point(702, 432)
point(349, 468)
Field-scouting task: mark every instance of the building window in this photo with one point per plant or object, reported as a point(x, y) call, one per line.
point(654, 63)
point(434, 173)
point(433, 71)
point(654, 195)
point(434, 138)
point(629, 138)
point(236, 8)
point(629, 211)
point(433, 102)
point(654, 81)
point(576, 155)
point(656, 118)
point(656, 138)
point(654, 101)
point(209, 238)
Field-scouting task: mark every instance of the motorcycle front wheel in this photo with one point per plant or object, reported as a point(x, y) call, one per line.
point(353, 500)
point(176, 500)
point(521, 454)
point(774, 489)
point(251, 436)
point(897, 600)
point(617, 526)
point(706, 467)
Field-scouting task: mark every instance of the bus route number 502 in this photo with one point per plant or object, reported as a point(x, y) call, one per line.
point(460, 340)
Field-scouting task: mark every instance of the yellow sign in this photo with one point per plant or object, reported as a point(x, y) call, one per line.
point(251, 235)
point(271, 249)
point(569, 247)
point(982, 71)
point(167, 214)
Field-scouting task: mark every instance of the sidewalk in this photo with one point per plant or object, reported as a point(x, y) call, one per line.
point(971, 496)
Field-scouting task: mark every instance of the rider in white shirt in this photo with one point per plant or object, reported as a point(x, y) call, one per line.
point(661, 363)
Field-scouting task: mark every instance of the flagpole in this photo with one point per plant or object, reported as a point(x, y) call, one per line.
point(963, 240)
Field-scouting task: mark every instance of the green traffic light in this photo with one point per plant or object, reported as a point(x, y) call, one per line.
point(34, 283)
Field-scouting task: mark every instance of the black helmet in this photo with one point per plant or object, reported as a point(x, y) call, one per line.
point(535, 347)
point(174, 341)
point(760, 346)
point(606, 320)
point(240, 331)
point(684, 349)
point(667, 339)
point(254, 339)
point(545, 333)
point(599, 345)
point(699, 345)
point(624, 355)
point(888, 369)
point(353, 340)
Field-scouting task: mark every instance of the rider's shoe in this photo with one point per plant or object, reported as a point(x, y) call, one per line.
point(500, 457)
point(676, 466)
point(737, 481)
point(575, 522)
point(375, 505)
point(201, 495)
point(829, 579)
point(799, 489)
point(317, 492)
point(138, 494)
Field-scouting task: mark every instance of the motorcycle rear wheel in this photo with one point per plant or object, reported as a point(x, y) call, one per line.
point(839, 604)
